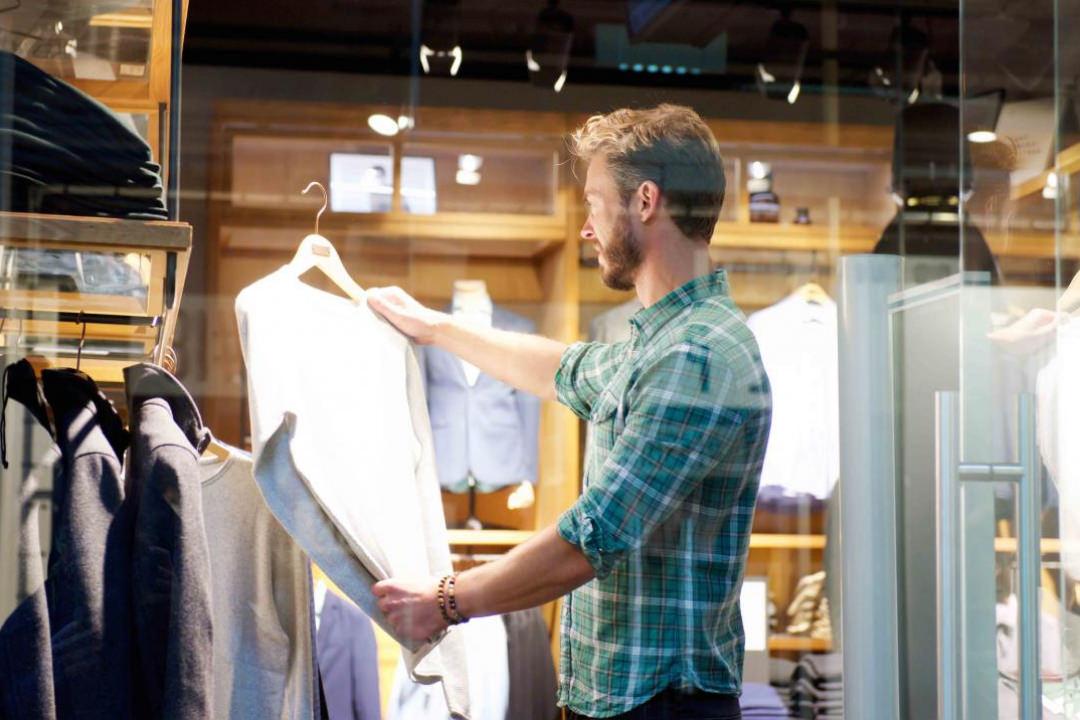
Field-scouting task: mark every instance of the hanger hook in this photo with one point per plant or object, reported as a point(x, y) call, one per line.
point(325, 201)
point(82, 339)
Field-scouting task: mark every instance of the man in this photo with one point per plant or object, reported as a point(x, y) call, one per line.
point(653, 551)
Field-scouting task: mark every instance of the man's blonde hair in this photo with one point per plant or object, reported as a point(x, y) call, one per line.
point(668, 144)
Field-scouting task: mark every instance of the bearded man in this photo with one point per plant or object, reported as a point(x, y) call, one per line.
point(651, 556)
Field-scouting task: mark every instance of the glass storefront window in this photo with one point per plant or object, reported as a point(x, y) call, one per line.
point(899, 234)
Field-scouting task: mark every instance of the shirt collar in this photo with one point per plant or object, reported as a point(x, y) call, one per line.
point(648, 321)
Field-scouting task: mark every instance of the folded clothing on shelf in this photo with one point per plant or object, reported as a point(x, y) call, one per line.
point(816, 686)
point(71, 155)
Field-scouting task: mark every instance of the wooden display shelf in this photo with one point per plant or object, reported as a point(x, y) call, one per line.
point(758, 541)
point(797, 643)
point(492, 538)
point(1049, 546)
point(453, 234)
point(1066, 163)
point(107, 233)
point(779, 541)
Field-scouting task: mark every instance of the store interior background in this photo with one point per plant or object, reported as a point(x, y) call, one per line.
point(271, 89)
point(319, 69)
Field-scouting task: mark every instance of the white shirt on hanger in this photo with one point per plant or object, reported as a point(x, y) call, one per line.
point(346, 390)
point(798, 342)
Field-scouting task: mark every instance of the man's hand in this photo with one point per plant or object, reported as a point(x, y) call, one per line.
point(405, 313)
point(1030, 333)
point(411, 606)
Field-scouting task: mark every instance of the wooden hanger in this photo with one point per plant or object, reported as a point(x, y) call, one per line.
point(316, 251)
point(813, 293)
point(217, 450)
point(1069, 302)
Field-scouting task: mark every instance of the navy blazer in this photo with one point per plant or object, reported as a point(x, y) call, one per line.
point(348, 661)
point(488, 430)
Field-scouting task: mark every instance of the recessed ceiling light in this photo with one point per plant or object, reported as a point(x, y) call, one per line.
point(982, 136)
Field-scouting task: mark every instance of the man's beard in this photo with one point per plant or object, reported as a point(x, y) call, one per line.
point(622, 255)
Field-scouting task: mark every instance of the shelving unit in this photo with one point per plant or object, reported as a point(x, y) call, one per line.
point(156, 252)
point(1066, 164)
point(263, 152)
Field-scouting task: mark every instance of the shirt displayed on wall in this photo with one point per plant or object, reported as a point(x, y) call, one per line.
point(1058, 403)
point(798, 342)
point(487, 429)
point(263, 654)
point(343, 450)
point(489, 679)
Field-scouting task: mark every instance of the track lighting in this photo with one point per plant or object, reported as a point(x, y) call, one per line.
point(779, 74)
point(549, 51)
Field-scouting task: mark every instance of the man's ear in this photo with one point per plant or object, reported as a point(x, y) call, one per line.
point(648, 201)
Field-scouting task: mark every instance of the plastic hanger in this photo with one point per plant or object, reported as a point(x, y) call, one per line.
point(316, 251)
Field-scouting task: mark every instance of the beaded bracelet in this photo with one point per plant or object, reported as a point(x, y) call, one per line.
point(448, 601)
point(442, 600)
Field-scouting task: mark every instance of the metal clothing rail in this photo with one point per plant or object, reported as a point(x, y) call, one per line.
point(81, 318)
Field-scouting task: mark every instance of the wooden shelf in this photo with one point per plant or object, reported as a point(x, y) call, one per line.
point(454, 234)
point(493, 538)
point(797, 643)
point(1050, 546)
point(778, 541)
point(92, 231)
point(1066, 163)
point(758, 541)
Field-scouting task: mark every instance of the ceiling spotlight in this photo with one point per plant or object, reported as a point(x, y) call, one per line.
point(778, 76)
point(383, 124)
point(548, 53)
point(982, 136)
point(903, 65)
point(440, 48)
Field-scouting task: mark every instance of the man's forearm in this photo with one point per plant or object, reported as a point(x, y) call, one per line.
point(540, 570)
point(527, 362)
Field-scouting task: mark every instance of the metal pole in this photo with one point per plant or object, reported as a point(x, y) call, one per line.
point(1028, 563)
point(173, 191)
point(947, 462)
point(868, 492)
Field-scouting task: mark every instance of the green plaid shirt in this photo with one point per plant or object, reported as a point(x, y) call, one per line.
point(680, 415)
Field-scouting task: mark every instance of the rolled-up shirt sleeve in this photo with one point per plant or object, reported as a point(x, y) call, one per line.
point(682, 415)
point(584, 371)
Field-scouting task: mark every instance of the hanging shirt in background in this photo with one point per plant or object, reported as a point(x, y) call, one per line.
point(489, 679)
point(343, 450)
point(349, 660)
point(533, 685)
point(261, 594)
point(798, 342)
point(1058, 402)
point(485, 428)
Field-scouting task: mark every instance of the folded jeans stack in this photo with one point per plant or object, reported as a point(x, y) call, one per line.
point(818, 688)
point(71, 155)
